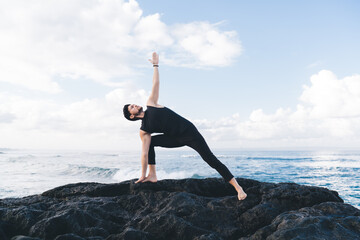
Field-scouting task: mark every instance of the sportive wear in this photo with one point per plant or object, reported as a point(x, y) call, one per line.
point(164, 120)
point(178, 132)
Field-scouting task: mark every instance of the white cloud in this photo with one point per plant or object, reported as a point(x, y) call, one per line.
point(330, 97)
point(103, 41)
point(328, 114)
point(88, 124)
point(151, 33)
point(203, 44)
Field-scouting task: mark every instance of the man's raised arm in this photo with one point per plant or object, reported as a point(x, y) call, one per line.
point(154, 96)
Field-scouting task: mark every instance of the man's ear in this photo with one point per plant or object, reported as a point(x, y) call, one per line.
point(132, 116)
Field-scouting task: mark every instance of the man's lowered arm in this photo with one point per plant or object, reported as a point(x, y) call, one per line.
point(146, 140)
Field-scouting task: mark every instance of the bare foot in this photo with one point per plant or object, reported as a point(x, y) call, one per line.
point(241, 194)
point(140, 179)
point(151, 178)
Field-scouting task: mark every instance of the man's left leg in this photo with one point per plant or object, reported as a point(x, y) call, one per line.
point(199, 144)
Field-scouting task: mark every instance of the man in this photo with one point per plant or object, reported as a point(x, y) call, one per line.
point(176, 132)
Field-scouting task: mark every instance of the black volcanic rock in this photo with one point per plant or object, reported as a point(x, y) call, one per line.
point(201, 209)
point(330, 220)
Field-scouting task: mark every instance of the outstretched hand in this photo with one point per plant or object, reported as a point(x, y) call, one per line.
point(155, 58)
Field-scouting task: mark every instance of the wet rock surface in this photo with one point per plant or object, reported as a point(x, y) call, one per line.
point(202, 209)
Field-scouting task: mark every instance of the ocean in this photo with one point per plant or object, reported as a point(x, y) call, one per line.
point(28, 172)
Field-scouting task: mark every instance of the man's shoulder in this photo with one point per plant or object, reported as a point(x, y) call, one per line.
point(150, 103)
point(155, 106)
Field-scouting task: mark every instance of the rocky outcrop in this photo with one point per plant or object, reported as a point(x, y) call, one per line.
point(179, 209)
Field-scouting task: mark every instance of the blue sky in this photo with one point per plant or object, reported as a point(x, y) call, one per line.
point(281, 40)
point(249, 74)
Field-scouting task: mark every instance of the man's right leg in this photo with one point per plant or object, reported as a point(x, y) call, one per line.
point(159, 141)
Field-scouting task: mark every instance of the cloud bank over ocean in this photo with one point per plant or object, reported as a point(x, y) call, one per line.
point(328, 114)
point(324, 116)
point(46, 45)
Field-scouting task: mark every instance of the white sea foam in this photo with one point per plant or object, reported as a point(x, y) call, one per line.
point(126, 174)
point(174, 175)
point(89, 171)
point(31, 172)
point(190, 156)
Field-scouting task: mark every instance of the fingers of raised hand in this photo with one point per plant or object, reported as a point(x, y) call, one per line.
point(155, 58)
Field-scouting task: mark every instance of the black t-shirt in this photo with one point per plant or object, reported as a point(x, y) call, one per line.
point(164, 120)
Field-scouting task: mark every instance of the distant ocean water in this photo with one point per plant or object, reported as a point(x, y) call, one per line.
point(24, 172)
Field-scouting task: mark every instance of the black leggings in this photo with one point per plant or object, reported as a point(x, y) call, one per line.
point(193, 139)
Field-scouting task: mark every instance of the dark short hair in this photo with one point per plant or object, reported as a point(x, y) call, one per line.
point(127, 113)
